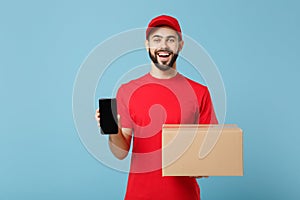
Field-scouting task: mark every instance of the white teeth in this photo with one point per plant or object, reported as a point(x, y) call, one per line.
point(164, 54)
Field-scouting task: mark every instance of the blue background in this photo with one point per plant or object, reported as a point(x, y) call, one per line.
point(255, 45)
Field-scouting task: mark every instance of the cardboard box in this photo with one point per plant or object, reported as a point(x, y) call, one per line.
point(202, 150)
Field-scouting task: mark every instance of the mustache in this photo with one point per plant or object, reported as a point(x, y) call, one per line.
point(164, 49)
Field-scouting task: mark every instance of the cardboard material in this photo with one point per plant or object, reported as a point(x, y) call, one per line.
point(202, 150)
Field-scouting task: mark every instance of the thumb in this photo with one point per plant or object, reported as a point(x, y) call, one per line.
point(119, 121)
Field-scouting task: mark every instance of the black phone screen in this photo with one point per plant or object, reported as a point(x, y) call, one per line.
point(108, 116)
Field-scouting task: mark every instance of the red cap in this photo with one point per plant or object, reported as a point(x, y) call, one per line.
point(164, 20)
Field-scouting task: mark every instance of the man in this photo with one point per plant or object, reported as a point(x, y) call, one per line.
point(163, 96)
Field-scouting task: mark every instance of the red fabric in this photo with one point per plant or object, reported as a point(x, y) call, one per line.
point(145, 104)
point(164, 20)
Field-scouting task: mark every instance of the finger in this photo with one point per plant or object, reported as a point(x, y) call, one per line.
point(204, 176)
point(97, 117)
point(199, 176)
point(119, 121)
point(97, 114)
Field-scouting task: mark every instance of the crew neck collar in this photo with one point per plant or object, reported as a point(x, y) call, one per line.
point(173, 77)
point(177, 75)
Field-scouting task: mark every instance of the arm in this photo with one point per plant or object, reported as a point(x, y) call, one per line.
point(207, 115)
point(206, 110)
point(119, 143)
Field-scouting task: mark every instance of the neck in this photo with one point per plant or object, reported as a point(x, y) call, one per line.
point(160, 74)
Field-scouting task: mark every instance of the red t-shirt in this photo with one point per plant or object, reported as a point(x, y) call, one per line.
point(145, 104)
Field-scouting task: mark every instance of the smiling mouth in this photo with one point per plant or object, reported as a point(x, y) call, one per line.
point(163, 54)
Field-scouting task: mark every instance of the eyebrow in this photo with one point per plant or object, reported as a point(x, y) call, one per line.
point(168, 37)
point(156, 36)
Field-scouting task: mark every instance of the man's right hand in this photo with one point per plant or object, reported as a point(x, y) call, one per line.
point(119, 143)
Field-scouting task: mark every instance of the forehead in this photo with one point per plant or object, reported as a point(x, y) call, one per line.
point(163, 31)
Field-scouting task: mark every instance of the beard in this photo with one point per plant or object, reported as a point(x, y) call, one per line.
point(164, 66)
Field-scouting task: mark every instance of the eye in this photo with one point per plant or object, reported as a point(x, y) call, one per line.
point(157, 40)
point(171, 40)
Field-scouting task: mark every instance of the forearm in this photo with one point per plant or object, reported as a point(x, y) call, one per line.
point(120, 143)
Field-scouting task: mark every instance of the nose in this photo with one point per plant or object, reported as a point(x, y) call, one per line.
point(164, 44)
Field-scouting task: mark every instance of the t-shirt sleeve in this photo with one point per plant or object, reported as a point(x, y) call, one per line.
point(123, 109)
point(206, 109)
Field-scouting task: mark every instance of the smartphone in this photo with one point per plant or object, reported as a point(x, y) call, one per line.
point(108, 116)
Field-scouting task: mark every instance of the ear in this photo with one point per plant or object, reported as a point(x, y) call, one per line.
point(181, 43)
point(147, 44)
